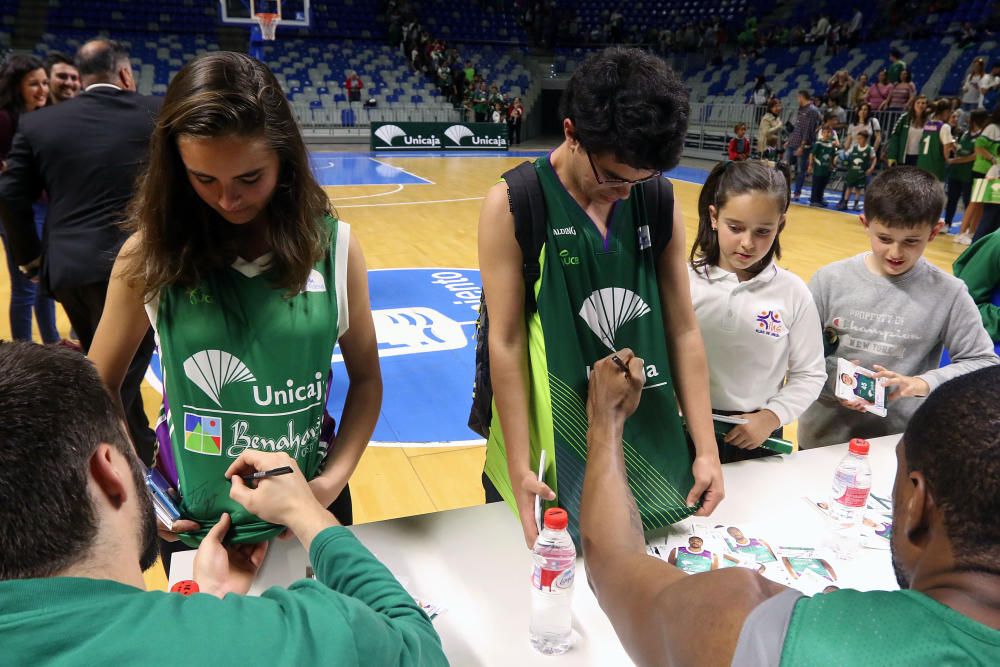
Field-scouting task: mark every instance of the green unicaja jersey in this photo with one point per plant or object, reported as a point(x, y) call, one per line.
point(964, 147)
point(245, 366)
point(858, 161)
point(864, 387)
point(931, 156)
point(823, 152)
point(878, 628)
point(693, 563)
point(596, 295)
point(982, 165)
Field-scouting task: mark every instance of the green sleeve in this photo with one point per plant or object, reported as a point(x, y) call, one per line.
point(979, 268)
point(388, 626)
point(897, 139)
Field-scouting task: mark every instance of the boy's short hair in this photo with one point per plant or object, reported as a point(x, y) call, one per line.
point(740, 126)
point(825, 128)
point(829, 115)
point(805, 93)
point(863, 133)
point(628, 103)
point(904, 197)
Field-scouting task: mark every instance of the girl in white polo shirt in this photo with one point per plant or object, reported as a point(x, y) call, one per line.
point(759, 322)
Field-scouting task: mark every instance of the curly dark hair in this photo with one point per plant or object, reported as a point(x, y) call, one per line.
point(954, 440)
point(11, 75)
point(182, 238)
point(628, 103)
point(730, 179)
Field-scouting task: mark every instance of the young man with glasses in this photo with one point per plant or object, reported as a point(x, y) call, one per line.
point(603, 285)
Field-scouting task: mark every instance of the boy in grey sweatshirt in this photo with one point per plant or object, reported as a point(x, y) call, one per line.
point(892, 311)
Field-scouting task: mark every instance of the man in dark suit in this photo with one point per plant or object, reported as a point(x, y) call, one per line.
point(85, 155)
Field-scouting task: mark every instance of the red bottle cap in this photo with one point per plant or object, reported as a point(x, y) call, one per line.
point(186, 587)
point(859, 446)
point(556, 518)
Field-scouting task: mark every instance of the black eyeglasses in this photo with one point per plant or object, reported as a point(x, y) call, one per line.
point(618, 182)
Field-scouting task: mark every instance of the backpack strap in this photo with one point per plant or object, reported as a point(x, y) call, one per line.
point(657, 196)
point(527, 205)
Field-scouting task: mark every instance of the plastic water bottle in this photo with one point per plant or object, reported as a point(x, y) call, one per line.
point(552, 585)
point(851, 485)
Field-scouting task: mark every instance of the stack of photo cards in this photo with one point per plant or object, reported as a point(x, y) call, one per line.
point(876, 524)
point(708, 547)
point(855, 383)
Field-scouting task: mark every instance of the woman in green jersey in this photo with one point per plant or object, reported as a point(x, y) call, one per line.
point(601, 289)
point(240, 265)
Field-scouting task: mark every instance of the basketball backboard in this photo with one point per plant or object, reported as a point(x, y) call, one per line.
point(241, 12)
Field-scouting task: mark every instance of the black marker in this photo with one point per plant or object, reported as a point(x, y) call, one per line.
point(261, 474)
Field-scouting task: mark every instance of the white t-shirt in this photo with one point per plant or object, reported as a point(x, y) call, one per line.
point(913, 136)
point(758, 334)
point(872, 126)
point(945, 134)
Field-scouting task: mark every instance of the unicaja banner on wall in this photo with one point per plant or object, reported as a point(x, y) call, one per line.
point(439, 137)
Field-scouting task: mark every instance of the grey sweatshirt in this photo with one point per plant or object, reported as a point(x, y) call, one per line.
point(899, 322)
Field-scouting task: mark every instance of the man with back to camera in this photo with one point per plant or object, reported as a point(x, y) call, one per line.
point(800, 141)
point(64, 78)
point(85, 154)
point(78, 529)
point(945, 550)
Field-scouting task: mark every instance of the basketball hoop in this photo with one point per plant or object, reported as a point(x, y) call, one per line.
point(268, 25)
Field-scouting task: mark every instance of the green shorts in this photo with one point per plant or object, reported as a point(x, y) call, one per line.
point(856, 180)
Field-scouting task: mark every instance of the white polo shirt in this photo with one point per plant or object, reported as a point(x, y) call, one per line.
point(757, 334)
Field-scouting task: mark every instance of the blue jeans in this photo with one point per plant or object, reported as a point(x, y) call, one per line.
point(24, 297)
point(801, 163)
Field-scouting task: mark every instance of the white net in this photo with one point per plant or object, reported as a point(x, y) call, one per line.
point(268, 25)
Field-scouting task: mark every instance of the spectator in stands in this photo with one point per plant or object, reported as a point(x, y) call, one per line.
point(800, 141)
point(24, 87)
point(353, 84)
point(87, 152)
point(819, 30)
point(960, 174)
point(99, 535)
point(759, 95)
point(833, 108)
point(904, 140)
point(771, 126)
point(481, 103)
point(852, 32)
point(858, 93)
point(902, 93)
point(967, 34)
point(879, 91)
point(972, 96)
point(64, 78)
point(839, 86)
point(865, 121)
point(515, 117)
point(459, 84)
point(897, 66)
point(944, 549)
point(739, 146)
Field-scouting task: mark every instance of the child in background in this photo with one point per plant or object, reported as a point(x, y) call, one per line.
point(860, 165)
point(960, 174)
point(830, 121)
point(772, 153)
point(821, 164)
point(892, 311)
point(936, 142)
point(739, 146)
point(759, 322)
point(987, 151)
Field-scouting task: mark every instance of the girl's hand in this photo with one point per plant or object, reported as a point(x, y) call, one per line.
point(759, 427)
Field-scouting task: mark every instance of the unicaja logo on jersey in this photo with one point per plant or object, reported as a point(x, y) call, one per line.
point(606, 310)
point(211, 370)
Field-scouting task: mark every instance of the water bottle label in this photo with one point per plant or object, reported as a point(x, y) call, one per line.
point(553, 580)
point(846, 493)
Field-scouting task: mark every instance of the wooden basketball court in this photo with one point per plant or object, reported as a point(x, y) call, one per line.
point(433, 224)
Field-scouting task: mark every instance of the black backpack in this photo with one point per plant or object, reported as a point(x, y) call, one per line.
point(527, 205)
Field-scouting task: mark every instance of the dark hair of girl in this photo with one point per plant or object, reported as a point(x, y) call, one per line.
point(11, 75)
point(183, 239)
point(728, 180)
